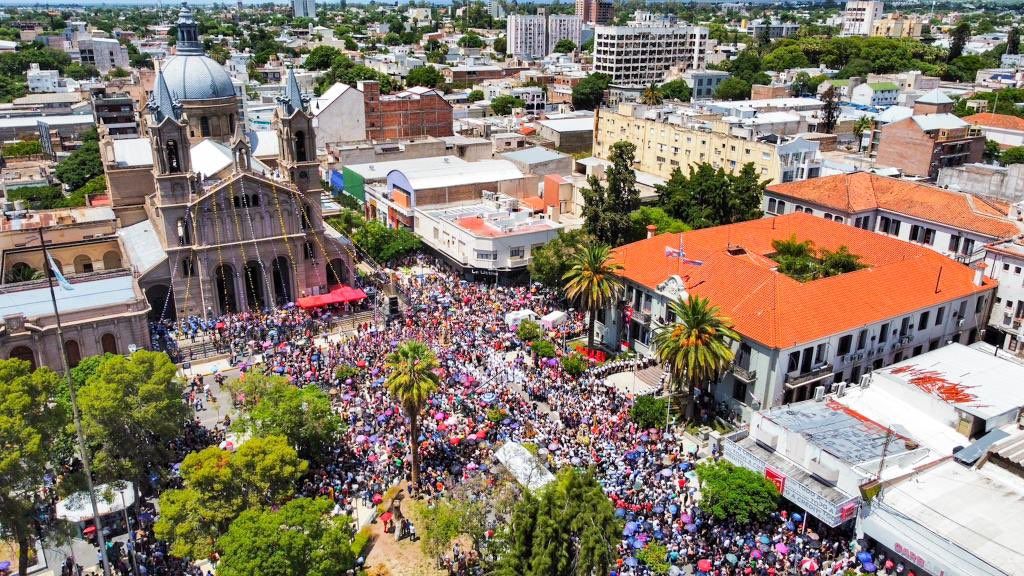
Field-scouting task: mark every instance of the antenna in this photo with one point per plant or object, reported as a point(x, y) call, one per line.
point(885, 452)
point(937, 280)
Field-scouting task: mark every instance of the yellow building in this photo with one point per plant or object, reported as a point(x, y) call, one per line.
point(896, 25)
point(667, 138)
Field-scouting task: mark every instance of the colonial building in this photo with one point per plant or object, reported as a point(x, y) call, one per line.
point(224, 231)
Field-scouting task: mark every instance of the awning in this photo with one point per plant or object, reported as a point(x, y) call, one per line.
point(338, 295)
point(109, 499)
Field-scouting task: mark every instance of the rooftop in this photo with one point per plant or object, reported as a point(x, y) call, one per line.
point(534, 155)
point(49, 98)
point(935, 96)
point(142, 245)
point(86, 295)
point(490, 219)
point(444, 173)
point(569, 124)
point(773, 309)
point(58, 217)
point(862, 191)
point(380, 170)
point(944, 121)
point(990, 120)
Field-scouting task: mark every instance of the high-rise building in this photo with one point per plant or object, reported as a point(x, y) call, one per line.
point(535, 36)
point(639, 55)
point(595, 11)
point(304, 8)
point(860, 15)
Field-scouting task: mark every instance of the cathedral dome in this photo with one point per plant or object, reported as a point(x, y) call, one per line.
point(196, 77)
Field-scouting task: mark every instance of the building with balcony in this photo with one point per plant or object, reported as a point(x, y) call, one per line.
point(42, 80)
point(956, 224)
point(1007, 130)
point(669, 137)
point(860, 15)
point(900, 455)
point(491, 239)
point(1004, 262)
point(595, 11)
point(534, 36)
point(897, 25)
point(639, 55)
point(932, 139)
point(115, 113)
point(796, 335)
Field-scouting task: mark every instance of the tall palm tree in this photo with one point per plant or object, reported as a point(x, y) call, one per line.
point(411, 380)
point(651, 96)
point(696, 346)
point(862, 125)
point(591, 281)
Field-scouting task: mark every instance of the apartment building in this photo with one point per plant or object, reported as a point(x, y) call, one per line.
point(795, 335)
point(875, 94)
point(416, 111)
point(535, 36)
point(1005, 263)
point(42, 80)
point(860, 15)
point(704, 83)
point(955, 224)
point(595, 11)
point(897, 25)
point(667, 138)
point(103, 53)
point(304, 8)
point(639, 55)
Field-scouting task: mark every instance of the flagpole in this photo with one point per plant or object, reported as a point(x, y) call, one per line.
point(83, 451)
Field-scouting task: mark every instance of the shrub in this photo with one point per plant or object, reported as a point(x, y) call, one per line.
point(361, 541)
point(655, 556)
point(575, 364)
point(544, 348)
point(345, 371)
point(528, 331)
point(495, 415)
point(649, 412)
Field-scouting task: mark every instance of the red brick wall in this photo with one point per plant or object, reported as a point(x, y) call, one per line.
point(394, 118)
point(903, 145)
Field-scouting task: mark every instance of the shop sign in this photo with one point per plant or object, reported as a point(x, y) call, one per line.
point(776, 478)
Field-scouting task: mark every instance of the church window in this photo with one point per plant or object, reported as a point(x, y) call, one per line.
point(173, 160)
point(300, 146)
point(204, 126)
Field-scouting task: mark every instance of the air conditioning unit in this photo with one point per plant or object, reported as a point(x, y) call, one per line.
point(840, 389)
point(865, 380)
point(819, 393)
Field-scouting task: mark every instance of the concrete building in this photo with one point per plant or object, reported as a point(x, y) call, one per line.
point(563, 27)
point(570, 135)
point(304, 8)
point(897, 25)
point(704, 83)
point(860, 15)
point(797, 335)
point(667, 139)
point(539, 161)
point(1004, 183)
point(595, 11)
point(103, 53)
point(534, 36)
point(1007, 130)
point(931, 139)
point(42, 80)
point(115, 114)
point(637, 56)
point(776, 28)
point(955, 224)
point(875, 94)
point(1005, 263)
point(491, 238)
point(339, 115)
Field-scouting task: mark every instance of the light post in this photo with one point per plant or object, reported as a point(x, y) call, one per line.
point(82, 449)
point(128, 528)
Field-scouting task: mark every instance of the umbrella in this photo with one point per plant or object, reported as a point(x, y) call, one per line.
point(620, 513)
point(489, 397)
point(691, 527)
point(790, 526)
point(704, 565)
point(731, 558)
point(685, 518)
point(864, 556)
point(372, 458)
point(638, 543)
point(553, 446)
point(764, 539)
point(659, 509)
point(755, 553)
point(377, 498)
point(145, 517)
point(631, 561)
point(666, 472)
point(809, 565)
point(386, 517)
point(454, 440)
point(6, 565)
point(797, 517)
point(629, 529)
point(781, 548)
point(361, 364)
point(439, 416)
point(869, 567)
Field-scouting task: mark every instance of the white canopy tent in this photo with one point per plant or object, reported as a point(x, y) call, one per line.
point(516, 316)
point(110, 498)
point(524, 466)
point(552, 319)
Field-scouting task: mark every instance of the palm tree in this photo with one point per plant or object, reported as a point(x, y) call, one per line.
point(411, 380)
point(591, 281)
point(697, 345)
point(651, 96)
point(859, 127)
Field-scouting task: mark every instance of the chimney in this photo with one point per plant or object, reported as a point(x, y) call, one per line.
point(652, 229)
point(979, 274)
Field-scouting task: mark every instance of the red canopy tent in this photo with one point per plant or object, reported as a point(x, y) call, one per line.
point(339, 295)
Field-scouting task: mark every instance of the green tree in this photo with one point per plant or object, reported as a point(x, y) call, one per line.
point(1013, 40)
point(82, 165)
point(730, 492)
point(607, 205)
point(645, 216)
point(1013, 155)
point(957, 40)
point(501, 45)
point(321, 57)
point(655, 557)
point(23, 148)
point(568, 528)
point(992, 151)
point(131, 410)
point(676, 90)
point(218, 485)
point(543, 349)
point(696, 346)
point(785, 58)
point(565, 46)
point(804, 85)
point(528, 331)
point(424, 76)
point(651, 96)
point(733, 89)
point(591, 282)
point(30, 423)
point(589, 93)
point(21, 272)
point(839, 262)
point(649, 412)
point(411, 380)
point(385, 244)
point(829, 109)
point(475, 96)
point(274, 407)
point(445, 521)
point(862, 125)
point(549, 262)
point(300, 538)
point(471, 40)
point(707, 196)
point(503, 105)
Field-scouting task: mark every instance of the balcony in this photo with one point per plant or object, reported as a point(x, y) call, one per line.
point(793, 380)
point(745, 374)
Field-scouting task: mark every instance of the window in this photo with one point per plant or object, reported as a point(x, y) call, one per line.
point(939, 315)
point(844, 345)
point(904, 326)
point(739, 390)
point(883, 334)
point(1016, 269)
point(883, 224)
point(922, 322)
point(828, 215)
point(862, 339)
point(204, 126)
point(484, 255)
point(308, 252)
point(840, 220)
point(954, 243)
point(772, 205)
point(979, 304)
point(968, 246)
point(517, 252)
point(782, 207)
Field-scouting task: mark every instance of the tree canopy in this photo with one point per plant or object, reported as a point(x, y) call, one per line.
point(549, 262)
point(385, 244)
point(607, 205)
point(707, 196)
point(565, 46)
point(503, 105)
point(424, 76)
point(1012, 156)
point(730, 492)
point(799, 260)
point(733, 89)
point(676, 90)
point(589, 93)
point(82, 165)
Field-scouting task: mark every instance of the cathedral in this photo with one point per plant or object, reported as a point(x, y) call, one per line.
point(221, 229)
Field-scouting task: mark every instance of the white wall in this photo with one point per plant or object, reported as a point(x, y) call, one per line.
point(343, 120)
point(465, 248)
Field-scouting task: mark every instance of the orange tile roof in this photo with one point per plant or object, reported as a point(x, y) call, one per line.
point(772, 308)
point(535, 203)
point(990, 120)
point(862, 191)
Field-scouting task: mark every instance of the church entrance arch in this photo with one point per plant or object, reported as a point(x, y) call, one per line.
point(282, 281)
point(161, 303)
point(226, 297)
point(254, 286)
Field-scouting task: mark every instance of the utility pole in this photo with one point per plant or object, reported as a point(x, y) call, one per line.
point(83, 451)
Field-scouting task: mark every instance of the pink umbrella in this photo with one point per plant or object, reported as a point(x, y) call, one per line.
point(755, 553)
point(781, 548)
point(809, 565)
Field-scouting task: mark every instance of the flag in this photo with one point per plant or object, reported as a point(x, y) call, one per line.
point(60, 277)
point(678, 253)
